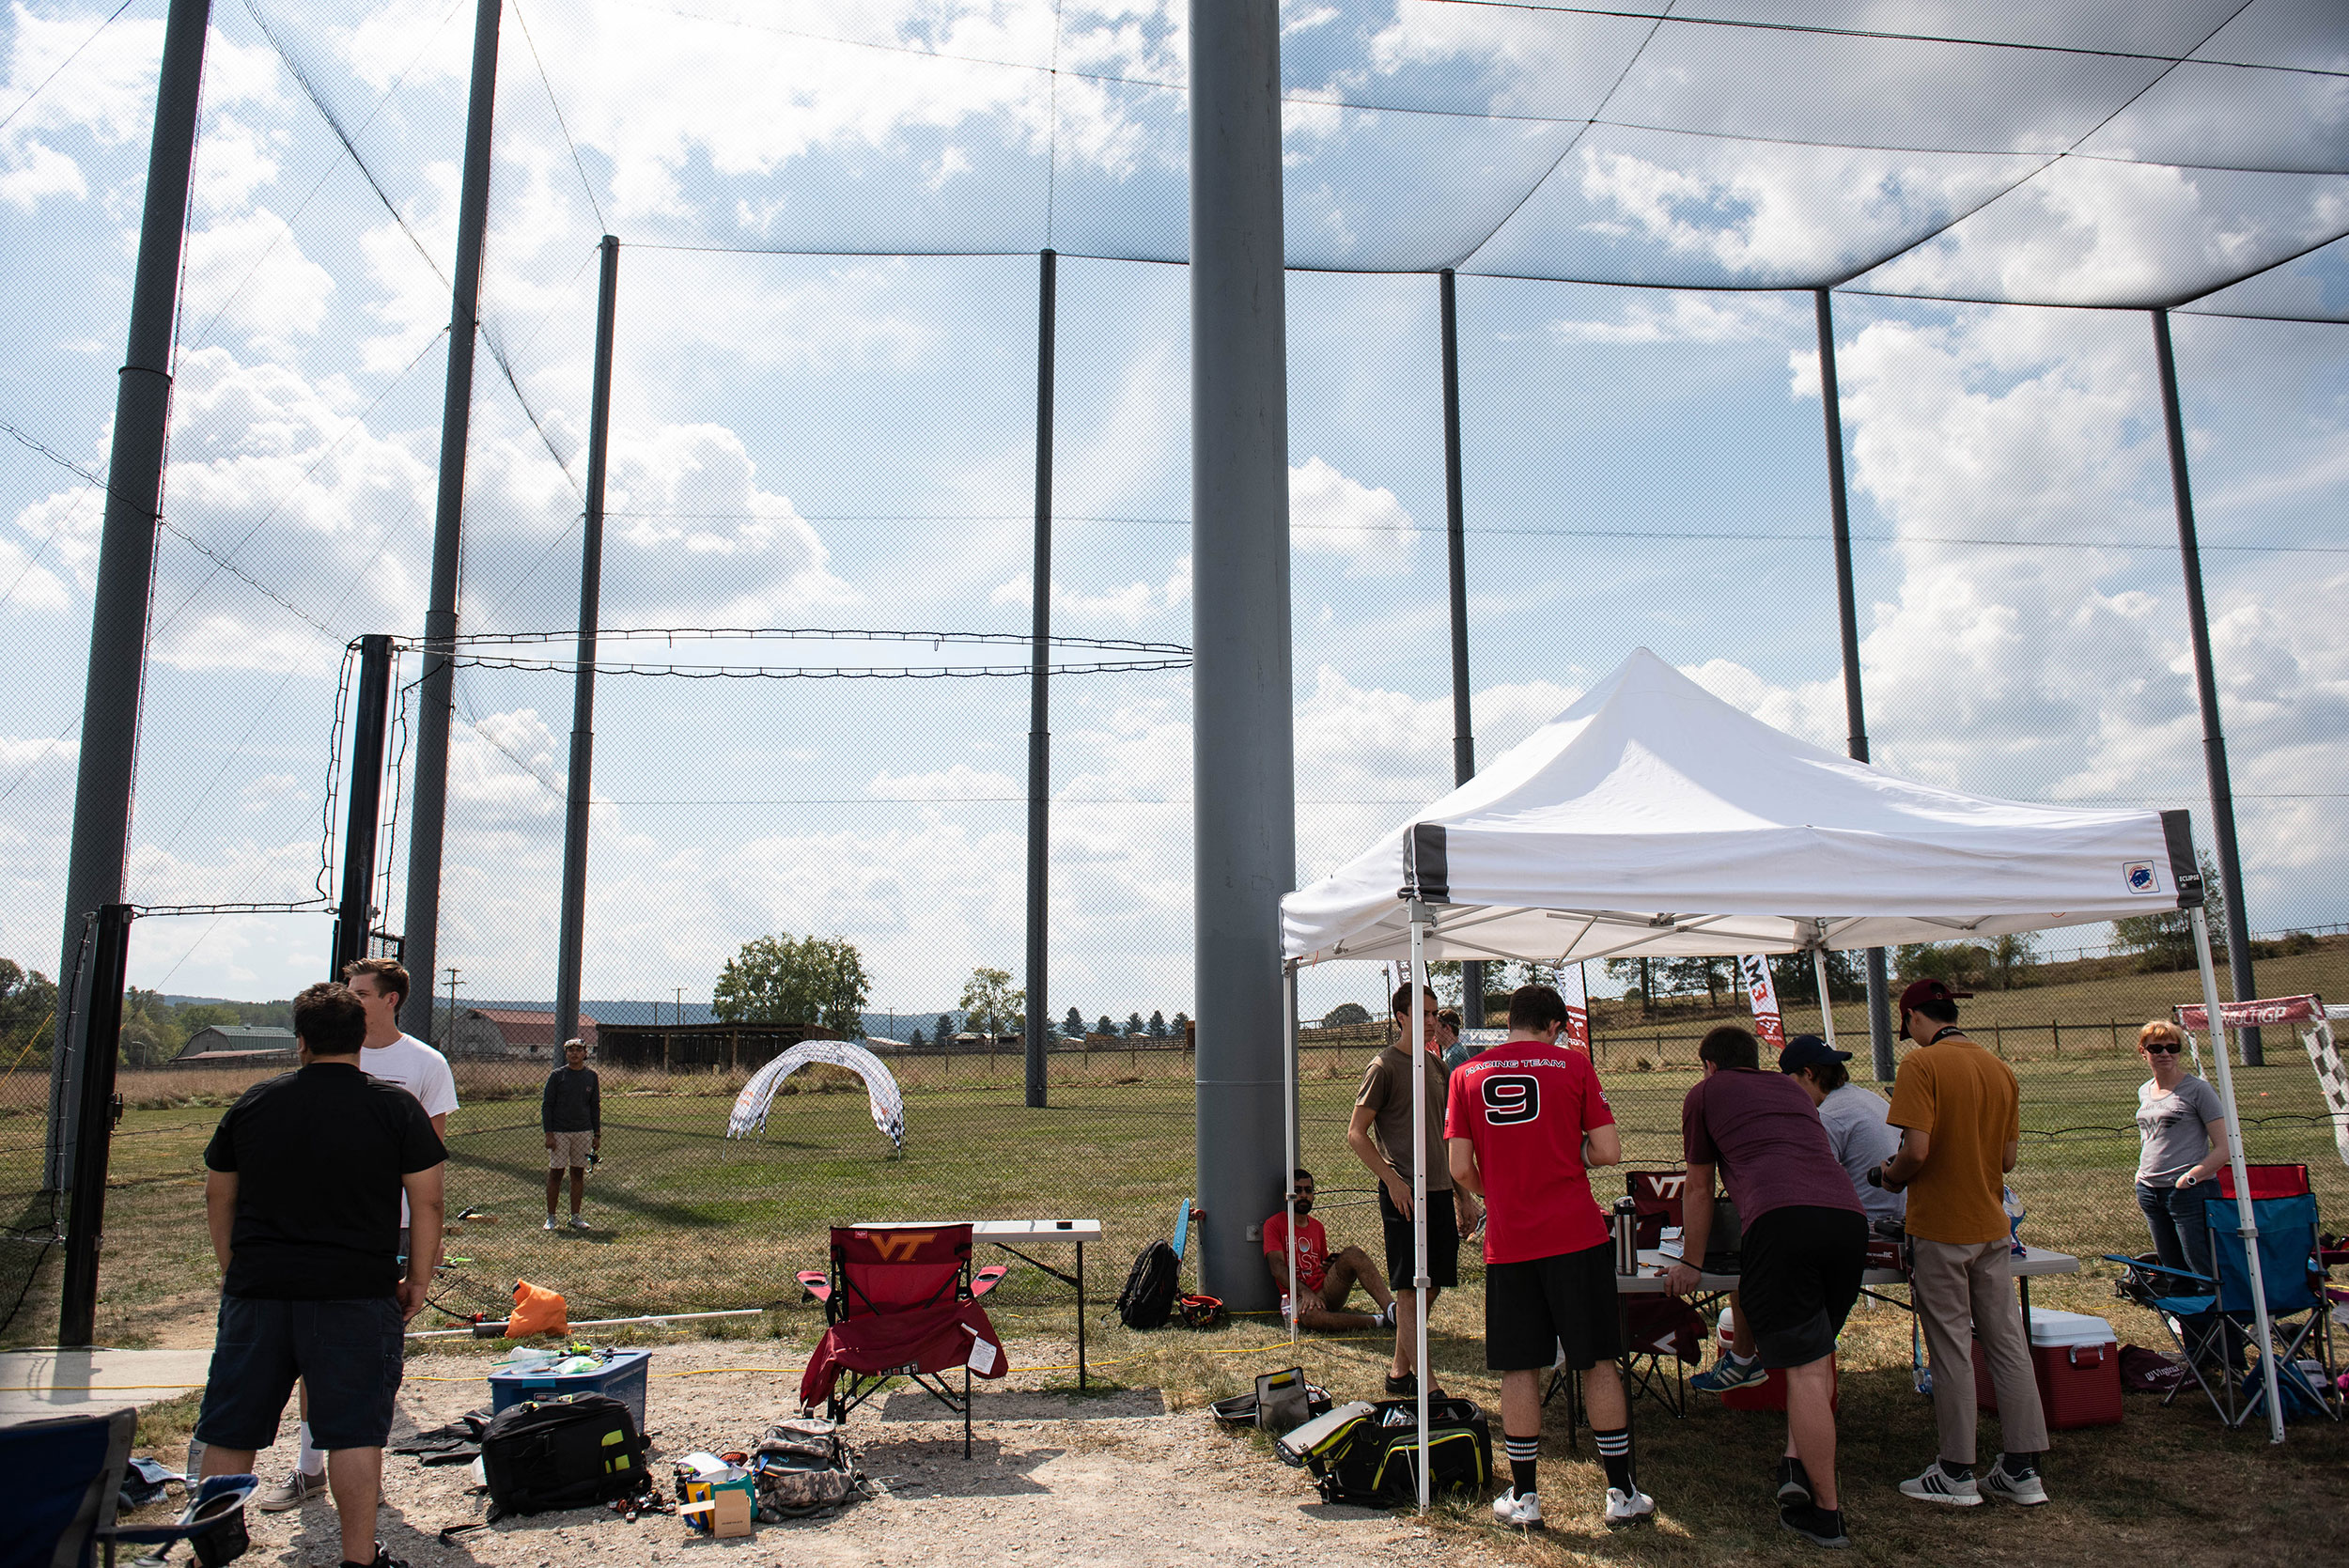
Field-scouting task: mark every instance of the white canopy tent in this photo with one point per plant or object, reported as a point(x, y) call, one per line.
point(1653, 818)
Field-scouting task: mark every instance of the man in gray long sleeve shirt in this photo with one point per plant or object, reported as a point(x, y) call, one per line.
point(571, 1112)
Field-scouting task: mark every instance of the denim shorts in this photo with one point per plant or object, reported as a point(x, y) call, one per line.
point(346, 1351)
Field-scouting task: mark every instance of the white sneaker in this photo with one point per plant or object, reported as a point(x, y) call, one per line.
point(1518, 1513)
point(289, 1493)
point(577, 1223)
point(552, 1224)
point(1627, 1508)
point(1937, 1486)
point(2027, 1489)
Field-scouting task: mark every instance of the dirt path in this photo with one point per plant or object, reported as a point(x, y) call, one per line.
point(1117, 1480)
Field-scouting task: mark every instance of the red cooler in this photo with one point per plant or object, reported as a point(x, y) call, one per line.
point(2077, 1363)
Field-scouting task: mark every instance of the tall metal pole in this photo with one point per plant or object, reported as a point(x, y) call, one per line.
point(429, 814)
point(97, 1025)
point(1456, 538)
point(1855, 710)
point(355, 916)
point(576, 792)
point(1242, 738)
point(126, 548)
point(1040, 685)
point(2206, 692)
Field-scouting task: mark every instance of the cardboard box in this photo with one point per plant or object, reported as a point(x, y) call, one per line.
point(2077, 1363)
point(724, 1514)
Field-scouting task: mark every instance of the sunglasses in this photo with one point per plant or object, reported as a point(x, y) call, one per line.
point(2160, 1048)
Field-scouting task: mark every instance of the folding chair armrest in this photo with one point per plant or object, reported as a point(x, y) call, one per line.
point(987, 1278)
point(815, 1282)
point(2145, 1268)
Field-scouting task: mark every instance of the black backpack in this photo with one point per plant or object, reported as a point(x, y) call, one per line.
point(570, 1453)
point(1148, 1298)
point(1378, 1465)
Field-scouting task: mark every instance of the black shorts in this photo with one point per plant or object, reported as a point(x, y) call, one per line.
point(1801, 1275)
point(347, 1353)
point(1536, 1309)
point(1444, 1242)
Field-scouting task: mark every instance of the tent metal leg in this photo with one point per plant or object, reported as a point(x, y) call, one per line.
point(1288, 1130)
point(2245, 1221)
point(1412, 1049)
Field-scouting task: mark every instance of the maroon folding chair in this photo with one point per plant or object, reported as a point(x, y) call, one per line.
point(901, 1301)
point(1655, 1194)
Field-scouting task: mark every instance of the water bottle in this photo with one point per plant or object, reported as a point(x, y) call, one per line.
point(1626, 1236)
point(2014, 1219)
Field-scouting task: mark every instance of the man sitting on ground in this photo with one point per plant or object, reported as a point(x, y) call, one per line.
point(1325, 1282)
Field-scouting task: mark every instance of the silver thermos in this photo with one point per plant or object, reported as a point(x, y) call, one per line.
point(1626, 1236)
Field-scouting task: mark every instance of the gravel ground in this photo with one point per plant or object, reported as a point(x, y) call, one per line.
point(1112, 1480)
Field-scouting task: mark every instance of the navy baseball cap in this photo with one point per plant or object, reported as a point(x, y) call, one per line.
point(1807, 1050)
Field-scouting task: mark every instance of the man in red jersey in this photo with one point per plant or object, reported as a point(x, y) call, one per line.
point(1526, 1123)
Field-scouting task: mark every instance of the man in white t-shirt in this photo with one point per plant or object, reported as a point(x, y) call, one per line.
point(381, 986)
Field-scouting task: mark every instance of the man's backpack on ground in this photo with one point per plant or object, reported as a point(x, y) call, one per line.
point(570, 1453)
point(803, 1465)
point(1151, 1287)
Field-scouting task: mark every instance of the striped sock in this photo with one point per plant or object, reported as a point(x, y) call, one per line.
point(1614, 1452)
point(1522, 1453)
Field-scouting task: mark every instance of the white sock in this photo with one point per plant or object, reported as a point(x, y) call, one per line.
point(311, 1460)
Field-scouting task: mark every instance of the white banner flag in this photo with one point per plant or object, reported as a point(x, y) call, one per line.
point(1766, 1023)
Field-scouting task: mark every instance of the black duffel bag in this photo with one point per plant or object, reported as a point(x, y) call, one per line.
point(570, 1453)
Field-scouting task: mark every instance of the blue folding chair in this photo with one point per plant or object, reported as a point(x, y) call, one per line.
point(2214, 1321)
point(65, 1476)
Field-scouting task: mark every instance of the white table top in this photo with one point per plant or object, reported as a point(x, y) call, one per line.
point(1003, 1230)
point(1653, 1262)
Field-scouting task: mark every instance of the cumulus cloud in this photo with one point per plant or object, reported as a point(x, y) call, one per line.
point(1333, 514)
point(1131, 605)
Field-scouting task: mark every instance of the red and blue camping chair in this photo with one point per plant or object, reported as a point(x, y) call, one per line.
point(901, 1301)
point(65, 1478)
point(2212, 1321)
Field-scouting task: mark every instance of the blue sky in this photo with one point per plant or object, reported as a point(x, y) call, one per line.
point(847, 442)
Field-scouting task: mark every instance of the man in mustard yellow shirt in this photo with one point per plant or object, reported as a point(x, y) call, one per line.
point(1960, 1114)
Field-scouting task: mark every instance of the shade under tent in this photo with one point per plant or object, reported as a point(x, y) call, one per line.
point(1652, 818)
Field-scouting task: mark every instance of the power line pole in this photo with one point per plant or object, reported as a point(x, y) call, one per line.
point(420, 915)
point(108, 758)
point(448, 1042)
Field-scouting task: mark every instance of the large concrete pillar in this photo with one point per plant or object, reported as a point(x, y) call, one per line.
point(1244, 816)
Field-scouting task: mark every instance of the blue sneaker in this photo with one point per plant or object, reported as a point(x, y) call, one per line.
point(1729, 1372)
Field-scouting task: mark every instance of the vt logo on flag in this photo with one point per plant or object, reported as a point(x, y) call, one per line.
point(1767, 1025)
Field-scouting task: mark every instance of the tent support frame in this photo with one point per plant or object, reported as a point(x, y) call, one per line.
point(1412, 1049)
point(2246, 1222)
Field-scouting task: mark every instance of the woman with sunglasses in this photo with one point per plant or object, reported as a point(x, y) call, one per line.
point(2184, 1131)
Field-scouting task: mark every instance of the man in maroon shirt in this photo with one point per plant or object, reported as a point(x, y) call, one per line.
point(1803, 1246)
point(1526, 1122)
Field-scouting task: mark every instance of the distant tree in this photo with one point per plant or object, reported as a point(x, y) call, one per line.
point(1686, 974)
point(1181, 1027)
point(151, 1032)
point(1074, 1025)
point(1956, 964)
point(1344, 1015)
point(2010, 955)
point(917, 1042)
point(1105, 1027)
point(1796, 978)
point(28, 1002)
point(2165, 940)
point(991, 1003)
point(945, 1028)
point(1157, 1024)
point(1134, 1026)
point(816, 980)
point(1637, 971)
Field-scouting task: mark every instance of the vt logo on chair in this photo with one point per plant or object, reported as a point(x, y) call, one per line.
point(900, 1246)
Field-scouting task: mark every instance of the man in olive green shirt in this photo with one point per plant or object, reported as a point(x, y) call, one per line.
point(1381, 1137)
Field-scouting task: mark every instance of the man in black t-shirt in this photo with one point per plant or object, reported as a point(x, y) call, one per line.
point(303, 1189)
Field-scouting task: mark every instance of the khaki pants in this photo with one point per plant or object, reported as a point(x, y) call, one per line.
point(1962, 1290)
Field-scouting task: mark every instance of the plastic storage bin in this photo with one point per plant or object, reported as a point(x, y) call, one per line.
point(2077, 1363)
point(623, 1378)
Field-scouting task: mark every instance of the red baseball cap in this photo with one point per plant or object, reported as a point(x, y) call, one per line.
point(1922, 991)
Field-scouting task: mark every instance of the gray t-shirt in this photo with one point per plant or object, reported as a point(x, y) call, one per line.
point(2175, 1127)
point(1862, 1140)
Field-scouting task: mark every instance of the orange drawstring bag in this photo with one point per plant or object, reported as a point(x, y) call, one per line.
point(537, 1311)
